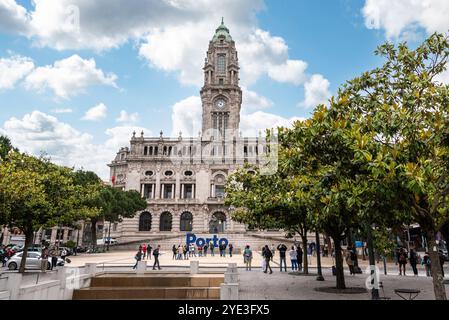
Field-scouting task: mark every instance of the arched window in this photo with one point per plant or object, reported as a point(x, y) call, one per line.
point(186, 221)
point(218, 223)
point(166, 222)
point(145, 222)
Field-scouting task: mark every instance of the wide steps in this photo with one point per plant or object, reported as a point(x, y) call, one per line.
point(149, 293)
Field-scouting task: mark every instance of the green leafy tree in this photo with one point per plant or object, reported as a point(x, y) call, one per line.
point(5, 147)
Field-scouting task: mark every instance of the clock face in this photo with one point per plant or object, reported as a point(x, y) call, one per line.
point(220, 103)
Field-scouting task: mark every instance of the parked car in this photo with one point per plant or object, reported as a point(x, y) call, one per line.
point(106, 240)
point(68, 250)
point(33, 261)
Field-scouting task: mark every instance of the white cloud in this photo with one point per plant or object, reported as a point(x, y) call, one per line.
point(125, 117)
point(253, 101)
point(292, 71)
point(186, 117)
point(96, 113)
point(402, 18)
point(444, 76)
point(14, 69)
point(69, 77)
point(13, 17)
point(62, 110)
point(38, 133)
point(316, 91)
point(257, 122)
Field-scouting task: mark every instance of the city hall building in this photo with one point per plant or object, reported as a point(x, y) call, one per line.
point(183, 179)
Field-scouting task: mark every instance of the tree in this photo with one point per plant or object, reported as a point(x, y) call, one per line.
point(405, 110)
point(5, 147)
point(35, 193)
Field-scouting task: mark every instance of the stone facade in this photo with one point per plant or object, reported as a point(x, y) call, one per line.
point(183, 179)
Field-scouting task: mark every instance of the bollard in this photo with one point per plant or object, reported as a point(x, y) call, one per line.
point(229, 291)
point(194, 267)
point(141, 267)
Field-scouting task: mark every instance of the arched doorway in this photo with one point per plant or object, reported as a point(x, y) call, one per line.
point(166, 222)
point(145, 221)
point(217, 223)
point(186, 222)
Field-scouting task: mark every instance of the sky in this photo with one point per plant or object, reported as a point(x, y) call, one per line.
point(77, 77)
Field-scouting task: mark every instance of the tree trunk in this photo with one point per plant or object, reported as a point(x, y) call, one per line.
point(437, 274)
point(318, 257)
point(93, 229)
point(28, 241)
point(304, 254)
point(339, 264)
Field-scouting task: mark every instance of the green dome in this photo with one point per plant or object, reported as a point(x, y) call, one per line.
point(222, 31)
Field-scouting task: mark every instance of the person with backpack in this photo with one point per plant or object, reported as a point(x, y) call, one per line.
point(427, 264)
point(293, 259)
point(350, 260)
point(402, 260)
point(138, 257)
point(156, 254)
point(414, 261)
point(267, 255)
point(282, 248)
point(247, 257)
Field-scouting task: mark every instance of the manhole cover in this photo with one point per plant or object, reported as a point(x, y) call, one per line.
point(353, 290)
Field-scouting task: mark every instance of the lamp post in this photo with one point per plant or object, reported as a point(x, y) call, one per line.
point(318, 257)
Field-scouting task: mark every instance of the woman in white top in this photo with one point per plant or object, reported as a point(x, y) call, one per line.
point(293, 259)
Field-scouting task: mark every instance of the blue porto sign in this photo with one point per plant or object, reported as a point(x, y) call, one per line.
point(200, 242)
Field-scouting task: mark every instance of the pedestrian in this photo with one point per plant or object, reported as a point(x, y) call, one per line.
point(427, 264)
point(247, 257)
point(200, 251)
point(179, 253)
point(149, 249)
point(282, 248)
point(293, 259)
point(54, 258)
point(299, 255)
point(273, 251)
point(205, 249)
point(185, 251)
point(144, 251)
point(350, 260)
point(402, 260)
point(211, 249)
point(44, 261)
point(138, 257)
point(231, 248)
point(156, 254)
point(413, 261)
point(267, 256)
point(175, 252)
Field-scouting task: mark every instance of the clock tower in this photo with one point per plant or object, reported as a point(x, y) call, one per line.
point(221, 95)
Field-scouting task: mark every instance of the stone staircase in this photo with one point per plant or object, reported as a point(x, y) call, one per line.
point(149, 286)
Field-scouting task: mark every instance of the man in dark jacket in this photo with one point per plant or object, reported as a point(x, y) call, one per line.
point(413, 261)
point(282, 248)
point(267, 255)
point(156, 258)
point(299, 254)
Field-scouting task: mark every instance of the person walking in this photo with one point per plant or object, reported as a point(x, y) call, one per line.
point(144, 251)
point(54, 257)
point(44, 259)
point(350, 260)
point(185, 251)
point(282, 248)
point(402, 259)
point(205, 249)
point(293, 259)
point(427, 265)
point(231, 248)
point(211, 249)
point(248, 257)
point(149, 249)
point(138, 257)
point(413, 261)
point(299, 256)
point(175, 252)
point(267, 255)
point(156, 254)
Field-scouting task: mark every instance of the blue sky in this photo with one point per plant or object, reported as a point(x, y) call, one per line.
point(145, 58)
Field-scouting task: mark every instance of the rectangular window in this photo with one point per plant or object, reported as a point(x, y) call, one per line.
point(221, 82)
point(188, 191)
point(148, 191)
point(219, 191)
point(168, 191)
point(221, 64)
